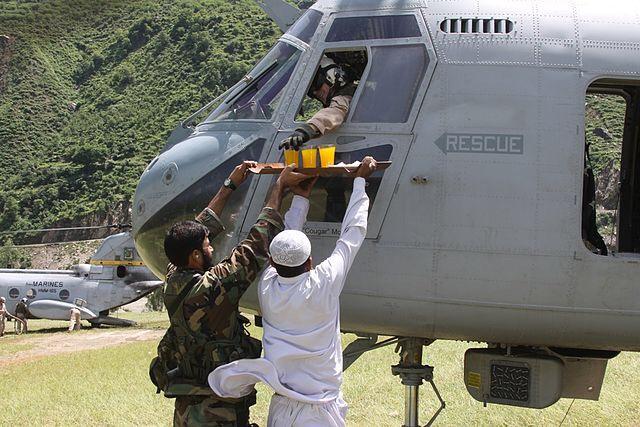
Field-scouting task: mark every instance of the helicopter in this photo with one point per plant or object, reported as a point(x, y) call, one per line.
point(476, 232)
point(114, 276)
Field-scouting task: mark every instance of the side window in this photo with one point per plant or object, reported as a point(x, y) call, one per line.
point(352, 62)
point(330, 196)
point(392, 84)
point(611, 186)
point(373, 27)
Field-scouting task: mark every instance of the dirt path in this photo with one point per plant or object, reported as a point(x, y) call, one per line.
point(62, 342)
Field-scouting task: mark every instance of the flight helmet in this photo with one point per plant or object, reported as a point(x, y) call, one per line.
point(330, 73)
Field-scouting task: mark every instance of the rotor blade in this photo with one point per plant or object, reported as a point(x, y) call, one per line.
point(282, 13)
point(43, 230)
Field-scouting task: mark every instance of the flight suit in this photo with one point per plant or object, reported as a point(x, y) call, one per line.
point(21, 314)
point(3, 309)
point(332, 116)
point(75, 323)
point(204, 315)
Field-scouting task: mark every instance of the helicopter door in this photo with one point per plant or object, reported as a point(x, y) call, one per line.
point(390, 60)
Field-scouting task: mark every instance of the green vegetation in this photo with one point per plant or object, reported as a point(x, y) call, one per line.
point(95, 88)
point(14, 257)
point(111, 387)
point(90, 91)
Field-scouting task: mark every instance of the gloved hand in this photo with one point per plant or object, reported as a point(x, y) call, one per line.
point(301, 135)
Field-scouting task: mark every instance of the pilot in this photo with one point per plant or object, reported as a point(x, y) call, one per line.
point(21, 316)
point(206, 329)
point(3, 310)
point(75, 321)
point(334, 89)
point(301, 319)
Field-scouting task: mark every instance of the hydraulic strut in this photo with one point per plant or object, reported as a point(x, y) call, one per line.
point(412, 373)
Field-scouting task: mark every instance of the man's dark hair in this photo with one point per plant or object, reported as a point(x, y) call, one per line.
point(284, 271)
point(182, 239)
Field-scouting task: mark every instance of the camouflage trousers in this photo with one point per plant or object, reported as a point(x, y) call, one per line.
point(211, 411)
point(2, 324)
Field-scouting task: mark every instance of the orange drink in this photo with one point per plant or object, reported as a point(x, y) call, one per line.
point(309, 155)
point(291, 157)
point(327, 155)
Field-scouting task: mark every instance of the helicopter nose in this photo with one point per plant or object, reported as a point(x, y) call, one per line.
point(170, 174)
point(180, 182)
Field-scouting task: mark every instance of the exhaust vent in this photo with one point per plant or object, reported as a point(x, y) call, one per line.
point(477, 26)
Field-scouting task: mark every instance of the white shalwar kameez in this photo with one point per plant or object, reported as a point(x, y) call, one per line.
point(301, 318)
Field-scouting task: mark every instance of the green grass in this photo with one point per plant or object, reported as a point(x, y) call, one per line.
point(110, 387)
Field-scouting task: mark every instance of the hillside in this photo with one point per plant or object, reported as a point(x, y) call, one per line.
point(89, 92)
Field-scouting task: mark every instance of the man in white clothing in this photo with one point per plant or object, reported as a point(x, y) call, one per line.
point(301, 317)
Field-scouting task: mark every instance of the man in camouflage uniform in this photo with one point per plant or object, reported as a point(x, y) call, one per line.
point(202, 299)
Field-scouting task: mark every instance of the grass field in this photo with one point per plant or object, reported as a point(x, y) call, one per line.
point(110, 387)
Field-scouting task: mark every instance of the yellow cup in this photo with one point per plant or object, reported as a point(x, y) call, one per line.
point(309, 157)
point(327, 155)
point(291, 157)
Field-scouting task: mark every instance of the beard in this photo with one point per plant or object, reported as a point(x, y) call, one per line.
point(207, 261)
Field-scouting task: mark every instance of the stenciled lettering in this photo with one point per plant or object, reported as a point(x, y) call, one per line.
point(482, 144)
point(45, 284)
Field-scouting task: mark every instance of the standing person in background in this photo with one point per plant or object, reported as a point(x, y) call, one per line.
point(3, 310)
point(75, 321)
point(21, 316)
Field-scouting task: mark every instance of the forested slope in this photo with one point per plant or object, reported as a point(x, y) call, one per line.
point(90, 90)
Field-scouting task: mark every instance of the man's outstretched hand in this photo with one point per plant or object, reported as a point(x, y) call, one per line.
point(367, 167)
point(290, 179)
point(305, 187)
point(240, 172)
point(302, 134)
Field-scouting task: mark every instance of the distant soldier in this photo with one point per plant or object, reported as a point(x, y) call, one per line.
point(202, 299)
point(3, 310)
point(75, 322)
point(21, 316)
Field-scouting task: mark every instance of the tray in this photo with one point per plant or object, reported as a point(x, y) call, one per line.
point(276, 168)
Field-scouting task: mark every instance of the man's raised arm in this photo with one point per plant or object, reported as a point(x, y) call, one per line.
point(354, 230)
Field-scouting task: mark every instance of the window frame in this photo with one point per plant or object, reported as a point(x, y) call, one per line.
point(615, 85)
point(319, 47)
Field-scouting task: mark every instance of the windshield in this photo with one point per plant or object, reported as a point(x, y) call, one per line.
point(305, 27)
point(261, 96)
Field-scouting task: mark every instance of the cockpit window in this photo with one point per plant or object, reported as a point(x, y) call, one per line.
point(306, 26)
point(392, 84)
point(262, 94)
point(330, 196)
point(373, 27)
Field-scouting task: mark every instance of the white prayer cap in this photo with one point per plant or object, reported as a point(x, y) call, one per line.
point(290, 248)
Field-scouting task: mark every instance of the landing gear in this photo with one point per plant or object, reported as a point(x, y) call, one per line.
point(412, 373)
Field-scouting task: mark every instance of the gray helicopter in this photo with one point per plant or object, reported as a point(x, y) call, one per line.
point(477, 231)
point(115, 276)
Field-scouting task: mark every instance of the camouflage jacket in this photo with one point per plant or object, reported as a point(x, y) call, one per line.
point(203, 306)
